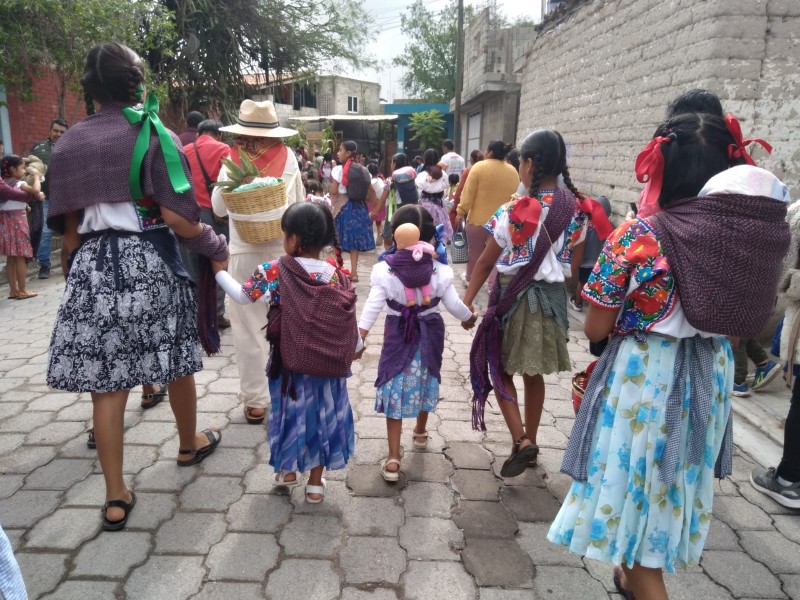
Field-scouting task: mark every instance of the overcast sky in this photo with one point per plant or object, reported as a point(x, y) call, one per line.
point(388, 41)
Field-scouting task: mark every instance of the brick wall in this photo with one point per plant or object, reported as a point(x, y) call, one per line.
point(30, 121)
point(604, 73)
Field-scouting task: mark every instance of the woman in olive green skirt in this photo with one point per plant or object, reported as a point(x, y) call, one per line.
point(534, 330)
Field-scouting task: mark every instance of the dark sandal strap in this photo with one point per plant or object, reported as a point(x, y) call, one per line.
point(522, 438)
point(117, 504)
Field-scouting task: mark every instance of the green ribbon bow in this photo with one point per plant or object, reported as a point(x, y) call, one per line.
point(149, 116)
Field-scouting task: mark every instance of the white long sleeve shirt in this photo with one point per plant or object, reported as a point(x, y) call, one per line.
point(386, 285)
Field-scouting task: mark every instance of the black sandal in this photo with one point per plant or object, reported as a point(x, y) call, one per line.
point(251, 419)
point(91, 443)
point(200, 454)
point(517, 463)
point(126, 506)
point(618, 584)
point(151, 400)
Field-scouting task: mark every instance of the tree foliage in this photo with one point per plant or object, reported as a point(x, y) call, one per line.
point(428, 128)
point(223, 47)
point(205, 54)
point(430, 53)
point(51, 38)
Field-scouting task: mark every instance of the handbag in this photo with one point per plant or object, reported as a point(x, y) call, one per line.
point(459, 250)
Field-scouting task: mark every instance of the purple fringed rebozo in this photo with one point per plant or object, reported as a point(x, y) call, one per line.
point(207, 307)
point(485, 365)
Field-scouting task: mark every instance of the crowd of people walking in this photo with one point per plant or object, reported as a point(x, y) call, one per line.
point(653, 428)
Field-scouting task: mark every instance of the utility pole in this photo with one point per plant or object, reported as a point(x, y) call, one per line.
point(459, 76)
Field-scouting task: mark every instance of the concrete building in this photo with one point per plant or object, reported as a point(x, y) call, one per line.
point(321, 95)
point(491, 92)
point(599, 72)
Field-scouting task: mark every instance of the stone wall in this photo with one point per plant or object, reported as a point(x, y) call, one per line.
point(603, 71)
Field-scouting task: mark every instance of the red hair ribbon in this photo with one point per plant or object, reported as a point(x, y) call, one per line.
point(737, 149)
point(650, 167)
point(526, 211)
point(346, 172)
point(597, 217)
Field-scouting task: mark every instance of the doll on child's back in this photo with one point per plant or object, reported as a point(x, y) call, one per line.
point(412, 263)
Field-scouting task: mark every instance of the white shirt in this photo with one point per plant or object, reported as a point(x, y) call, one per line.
point(336, 175)
point(294, 193)
point(454, 163)
point(385, 285)
point(378, 185)
point(431, 186)
point(14, 204)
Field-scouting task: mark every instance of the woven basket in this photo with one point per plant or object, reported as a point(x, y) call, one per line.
point(252, 202)
point(579, 383)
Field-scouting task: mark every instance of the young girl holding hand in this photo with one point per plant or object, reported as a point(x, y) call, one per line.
point(15, 242)
point(525, 328)
point(411, 357)
point(313, 339)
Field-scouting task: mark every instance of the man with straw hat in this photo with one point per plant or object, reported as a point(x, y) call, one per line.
point(259, 137)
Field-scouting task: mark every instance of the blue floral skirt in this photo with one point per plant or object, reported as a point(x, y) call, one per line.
point(409, 392)
point(624, 513)
point(315, 428)
point(354, 227)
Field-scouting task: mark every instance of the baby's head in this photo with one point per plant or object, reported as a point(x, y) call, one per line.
point(406, 235)
point(435, 172)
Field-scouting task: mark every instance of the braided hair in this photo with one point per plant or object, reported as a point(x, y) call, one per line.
point(543, 147)
point(313, 224)
point(113, 73)
point(565, 170)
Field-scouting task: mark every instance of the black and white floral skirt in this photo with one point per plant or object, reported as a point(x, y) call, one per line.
point(118, 328)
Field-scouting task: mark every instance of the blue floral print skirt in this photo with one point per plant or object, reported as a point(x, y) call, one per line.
point(354, 227)
point(315, 428)
point(409, 392)
point(624, 514)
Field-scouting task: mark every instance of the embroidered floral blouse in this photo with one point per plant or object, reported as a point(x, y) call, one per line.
point(517, 252)
point(632, 274)
point(264, 286)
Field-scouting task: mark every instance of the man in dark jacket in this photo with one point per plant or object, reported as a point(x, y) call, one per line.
point(40, 233)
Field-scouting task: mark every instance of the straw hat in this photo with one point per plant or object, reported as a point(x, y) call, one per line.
point(258, 119)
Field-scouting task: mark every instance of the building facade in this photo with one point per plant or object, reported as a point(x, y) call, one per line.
point(322, 95)
point(607, 94)
point(491, 90)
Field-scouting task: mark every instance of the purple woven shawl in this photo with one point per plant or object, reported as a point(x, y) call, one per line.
point(485, 367)
point(91, 161)
point(726, 252)
point(403, 334)
point(411, 273)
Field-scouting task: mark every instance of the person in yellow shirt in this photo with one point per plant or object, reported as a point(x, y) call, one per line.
point(490, 184)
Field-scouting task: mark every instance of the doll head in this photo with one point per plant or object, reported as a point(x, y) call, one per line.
point(406, 235)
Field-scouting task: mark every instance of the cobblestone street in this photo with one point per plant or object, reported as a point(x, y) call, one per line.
point(451, 529)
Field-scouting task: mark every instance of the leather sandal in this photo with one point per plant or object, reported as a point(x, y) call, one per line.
point(254, 420)
point(518, 461)
point(391, 476)
point(151, 400)
point(200, 454)
point(420, 445)
point(126, 506)
point(315, 489)
point(280, 479)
